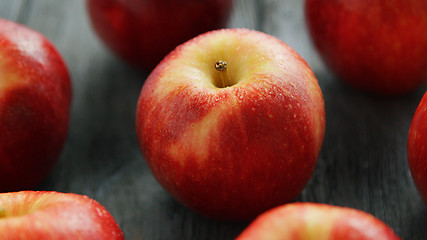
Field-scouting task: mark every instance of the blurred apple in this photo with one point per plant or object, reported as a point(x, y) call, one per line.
point(35, 93)
point(143, 32)
point(33, 215)
point(373, 45)
point(313, 221)
point(417, 147)
point(231, 123)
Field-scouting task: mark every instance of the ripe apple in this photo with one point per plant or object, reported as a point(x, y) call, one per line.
point(312, 221)
point(143, 32)
point(35, 93)
point(231, 123)
point(373, 45)
point(417, 148)
point(34, 215)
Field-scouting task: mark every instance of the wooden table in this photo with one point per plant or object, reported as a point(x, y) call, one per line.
point(362, 164)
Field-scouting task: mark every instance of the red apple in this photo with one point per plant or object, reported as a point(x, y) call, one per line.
point(35, 97)
point(312, 221)
point(231, 123)
point(33, 215)
point(143, 32)
point(373, 45)
point(417, 147)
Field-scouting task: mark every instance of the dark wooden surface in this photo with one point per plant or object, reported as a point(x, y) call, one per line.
point(362, 164)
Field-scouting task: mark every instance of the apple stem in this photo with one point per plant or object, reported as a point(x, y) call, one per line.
point(2, 212)
point(221, 67)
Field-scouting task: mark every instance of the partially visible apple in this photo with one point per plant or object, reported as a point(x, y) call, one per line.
point(34, 215)
point(313, 221)
point(231, 123)
point(35, 94)
point(144, 32)
point(417, 147)
point(373, 45)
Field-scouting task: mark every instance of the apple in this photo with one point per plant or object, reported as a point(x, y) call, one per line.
point(312, 221)
point(417, 148)
point(373, 45)
point(47, 215)
point(231, 123)
point(143, 32)
point(35, 95)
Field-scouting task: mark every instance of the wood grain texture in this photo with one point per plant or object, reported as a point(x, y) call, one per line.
point(363, 162)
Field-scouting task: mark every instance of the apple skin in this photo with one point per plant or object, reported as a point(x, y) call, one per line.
point(373, 45)
point(312, 221)
point(231, 152)
point(49, 215)
point(417, 148)
point(144, 32)
point(35, 95)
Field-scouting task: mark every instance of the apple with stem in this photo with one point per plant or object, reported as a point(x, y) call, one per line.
point(143, 32)
point(417, 147)
point(312, 221)
point(373, 45)
point(32, 215)
point(231, 123)
point(35, 95)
